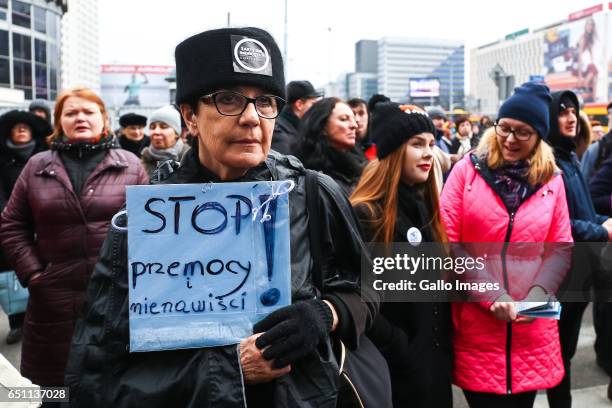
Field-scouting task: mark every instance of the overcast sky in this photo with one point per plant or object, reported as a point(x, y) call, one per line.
point(321, 33)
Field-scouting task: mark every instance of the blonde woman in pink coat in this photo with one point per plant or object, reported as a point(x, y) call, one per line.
point(509, 191)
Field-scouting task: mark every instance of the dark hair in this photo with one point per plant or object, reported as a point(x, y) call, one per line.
point(311, 143)
point(595, 123)
point(460, 120)
point(355, 102)
point(486, 122)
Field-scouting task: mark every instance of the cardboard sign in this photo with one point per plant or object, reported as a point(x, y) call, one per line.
point(205, 261)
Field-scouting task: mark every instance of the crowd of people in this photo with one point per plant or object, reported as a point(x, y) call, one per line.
point(364, 171)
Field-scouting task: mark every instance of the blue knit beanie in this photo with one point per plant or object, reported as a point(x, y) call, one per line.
point(530, 104)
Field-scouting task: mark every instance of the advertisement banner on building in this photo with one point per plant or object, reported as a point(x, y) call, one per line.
point(574, 58)
point(424, 88)
point(135, 85)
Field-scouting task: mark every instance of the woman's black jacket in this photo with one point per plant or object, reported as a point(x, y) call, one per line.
point(414, 337)
point(103, 373)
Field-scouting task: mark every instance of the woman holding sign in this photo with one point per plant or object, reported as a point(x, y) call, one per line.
point(55, 221)
point(397, 201)
point(510, 192)
point(230, 84)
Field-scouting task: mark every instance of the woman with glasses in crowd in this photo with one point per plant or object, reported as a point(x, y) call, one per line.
point(509, 191)
point(326, 142)
point(55, 221)
point(285, 362)
point(397, 201)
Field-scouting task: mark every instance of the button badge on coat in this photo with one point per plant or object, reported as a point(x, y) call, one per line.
point(414, 236)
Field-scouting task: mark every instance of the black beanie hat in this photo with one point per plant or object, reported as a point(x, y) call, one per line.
point(392, 125)
point(130, 119)
point(530, 104)
point(213, 59)
point(567, 102)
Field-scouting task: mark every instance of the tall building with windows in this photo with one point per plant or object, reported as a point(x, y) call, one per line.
point(403, 59)
point(366, 56)
point(30, 44)
point(80, 45)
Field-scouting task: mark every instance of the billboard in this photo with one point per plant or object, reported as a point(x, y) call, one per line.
point(135, 85)
point(574, 58)
point(424, 88)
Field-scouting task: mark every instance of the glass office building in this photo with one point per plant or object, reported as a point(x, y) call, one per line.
point(30, 36)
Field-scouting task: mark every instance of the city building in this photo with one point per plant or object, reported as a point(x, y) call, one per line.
point(366, 56)
point(30, 45)
point(80, 45)
point(571, 54)
point(361, 85)
point(441, 62)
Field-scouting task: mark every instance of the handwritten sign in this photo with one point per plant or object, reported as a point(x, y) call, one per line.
point(205, 261)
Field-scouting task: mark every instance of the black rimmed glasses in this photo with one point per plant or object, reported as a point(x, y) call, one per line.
point(505, 131)
point(230, 103)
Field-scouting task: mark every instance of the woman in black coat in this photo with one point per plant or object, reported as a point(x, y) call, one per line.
point(397, 201)
point(22, 135)
point(326, 142)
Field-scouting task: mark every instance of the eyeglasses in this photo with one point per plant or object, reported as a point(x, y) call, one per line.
point(230, 103)
point(505, 131)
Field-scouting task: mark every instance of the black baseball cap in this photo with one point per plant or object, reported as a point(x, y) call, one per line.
point(301, 90)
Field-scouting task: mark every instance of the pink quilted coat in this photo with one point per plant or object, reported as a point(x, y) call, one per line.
point(492, 355)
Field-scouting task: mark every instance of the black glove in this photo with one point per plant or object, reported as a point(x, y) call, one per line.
point(293, 331)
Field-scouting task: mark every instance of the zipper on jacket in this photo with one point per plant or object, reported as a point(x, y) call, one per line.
point(508, 324)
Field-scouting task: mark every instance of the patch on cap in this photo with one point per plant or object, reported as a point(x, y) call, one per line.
point(250, 56)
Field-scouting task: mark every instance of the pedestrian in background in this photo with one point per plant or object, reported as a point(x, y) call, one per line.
point(509, 190)
point(166, 144)
point(600, 188)
point(597, 152)
point(443, 135)
point(360, 110)
point(397, 193)
point(464, 140)
point(22, 135)
point(40, 108)
point(598, 131)
point(587, 226)
point(132, 137)
point(55, 221)
point(301, 95)
point(326, 143)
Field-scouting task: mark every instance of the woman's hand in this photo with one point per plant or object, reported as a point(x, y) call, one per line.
point(503, 308)
point(255, 368)
point(504, 311)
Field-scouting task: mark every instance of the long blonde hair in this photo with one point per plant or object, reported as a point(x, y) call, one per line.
point(377, 190)
point(542, 164)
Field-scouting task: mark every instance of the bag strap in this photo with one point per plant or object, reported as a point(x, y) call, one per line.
point(314, 230)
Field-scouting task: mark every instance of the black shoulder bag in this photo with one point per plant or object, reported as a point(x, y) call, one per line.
point(365, 381)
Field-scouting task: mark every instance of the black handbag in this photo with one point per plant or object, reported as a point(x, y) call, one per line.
point(364, 379)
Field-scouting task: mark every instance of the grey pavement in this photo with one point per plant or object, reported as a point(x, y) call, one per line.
point(589, 382)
